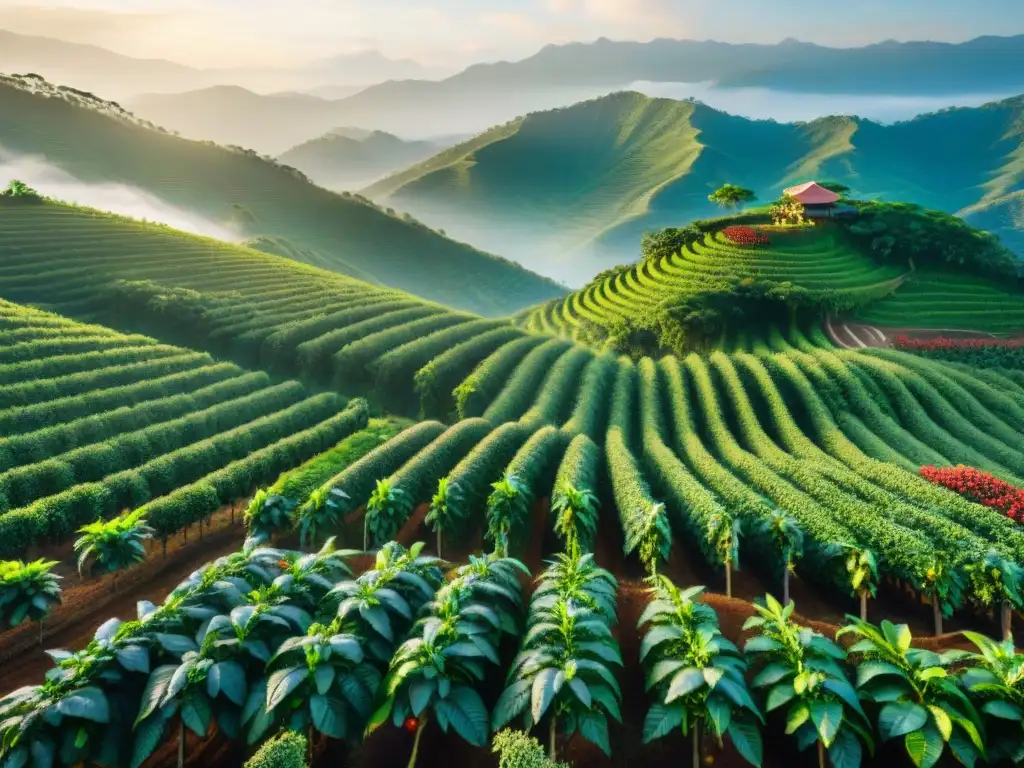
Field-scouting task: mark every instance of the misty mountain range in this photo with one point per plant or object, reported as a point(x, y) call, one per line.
point(888, 67)
point(114, 75)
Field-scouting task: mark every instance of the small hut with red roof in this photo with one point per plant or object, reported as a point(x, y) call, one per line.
point(816, 200)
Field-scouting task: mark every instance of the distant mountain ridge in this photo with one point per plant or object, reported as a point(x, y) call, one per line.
point(92, 68)
point(570, 192)
point(488, 94)
point(341, 160)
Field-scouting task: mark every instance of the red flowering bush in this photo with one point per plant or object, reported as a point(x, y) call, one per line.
point(980, 487)
point(942, 342)
point(746, 236)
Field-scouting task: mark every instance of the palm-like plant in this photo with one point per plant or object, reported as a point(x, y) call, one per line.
point(802, 671)
point(919, 699)
point(323, 509)
point(996, 682)
point(28, 592)
point(788, 537)
point(563, 669)
point(305, 579)
point(576, 511)
point(649, 535)
point(268, 514)
point(996, 581)
point(441, 509)
point(385, 512)
point(437, 670)
point(724, 533)
point(111, 546)
point(502, 509)
point(861, 572)
point(20, 189)
point(696, 674)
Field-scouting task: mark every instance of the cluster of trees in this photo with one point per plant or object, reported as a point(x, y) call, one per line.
point(655, 246)
point(908, 233)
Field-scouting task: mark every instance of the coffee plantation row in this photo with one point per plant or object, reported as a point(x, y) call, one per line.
point(268, 639)
point(96, 422)
point(775, 451)
point(833, 438)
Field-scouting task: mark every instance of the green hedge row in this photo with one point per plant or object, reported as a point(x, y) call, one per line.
point(58, 516)
point(23, 485)
point(417, 477)
point(168, 515)
point(632, 494)
point(67, 345)
point(534, 466)
point(590, 414)
point(469, 482)
point(394, 372)
point(350, 364)
point(691, 503)
point(48, 368)
point(279, 350)
point(358, 479)
point(299, 483)
point(521, 387)
point(16, 421)
point(45, 390)
point(59, 439)
point(316, 357)
point(557, 394)
point(480, 388)
point(435, 382)
point(580, 468)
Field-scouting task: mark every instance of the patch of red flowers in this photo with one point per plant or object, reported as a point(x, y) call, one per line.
point(746, 235)
point(980, 487)
point(942, 342)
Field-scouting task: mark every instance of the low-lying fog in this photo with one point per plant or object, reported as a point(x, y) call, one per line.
point(789, 107)
point(51, 181)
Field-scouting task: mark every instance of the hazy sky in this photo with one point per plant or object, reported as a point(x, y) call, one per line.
point(214, 33)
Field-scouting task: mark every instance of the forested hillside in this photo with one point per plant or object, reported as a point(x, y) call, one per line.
point(570, 192)
point(258, 197)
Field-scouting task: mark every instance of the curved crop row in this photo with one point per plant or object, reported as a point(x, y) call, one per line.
point(60, 513)
point(435, 382)
point(478, 390)
point(414, 482)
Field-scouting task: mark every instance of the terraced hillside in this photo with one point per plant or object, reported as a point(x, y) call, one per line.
point(820, 260)
point(261, 310)
point(569, 192)
point(95, 421)
point(97, 142)
point(948, 301)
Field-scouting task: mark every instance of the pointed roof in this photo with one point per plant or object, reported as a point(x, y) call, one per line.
point(812, 193)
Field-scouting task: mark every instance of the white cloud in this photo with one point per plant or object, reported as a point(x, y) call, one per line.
point(123, 199)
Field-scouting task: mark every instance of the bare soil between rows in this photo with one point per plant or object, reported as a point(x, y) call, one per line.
point(88, 605)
